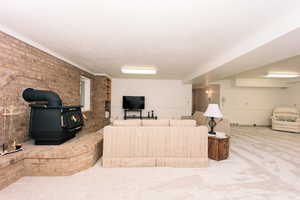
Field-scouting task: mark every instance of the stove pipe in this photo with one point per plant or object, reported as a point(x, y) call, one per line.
point(52, 98)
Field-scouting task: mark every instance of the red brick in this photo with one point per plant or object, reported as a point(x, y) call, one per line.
point(26, 66)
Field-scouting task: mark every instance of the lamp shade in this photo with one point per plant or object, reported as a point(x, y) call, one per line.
point(213, 110)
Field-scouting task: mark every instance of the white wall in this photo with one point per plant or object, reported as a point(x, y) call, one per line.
point(249, 105)
point(168, 98)
point(292, 95)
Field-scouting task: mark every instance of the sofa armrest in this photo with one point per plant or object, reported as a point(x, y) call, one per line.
point(273, 117)
point(186, 117)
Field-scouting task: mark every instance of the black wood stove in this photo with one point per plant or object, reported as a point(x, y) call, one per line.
point(51, 123)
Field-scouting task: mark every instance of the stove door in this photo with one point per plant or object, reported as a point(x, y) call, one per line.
point(73, 120)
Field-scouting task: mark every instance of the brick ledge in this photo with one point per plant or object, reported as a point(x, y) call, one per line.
point(76, 155)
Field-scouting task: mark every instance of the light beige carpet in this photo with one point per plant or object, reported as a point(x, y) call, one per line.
point(263, 164)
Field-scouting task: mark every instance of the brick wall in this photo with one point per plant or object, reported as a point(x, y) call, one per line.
point(23, 66)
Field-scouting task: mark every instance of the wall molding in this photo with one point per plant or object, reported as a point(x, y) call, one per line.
point(103, 74)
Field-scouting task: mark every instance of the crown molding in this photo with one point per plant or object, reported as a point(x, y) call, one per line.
point(103, 74)
point(41, 47)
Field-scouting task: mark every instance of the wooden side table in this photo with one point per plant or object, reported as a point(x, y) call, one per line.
point(218, 148)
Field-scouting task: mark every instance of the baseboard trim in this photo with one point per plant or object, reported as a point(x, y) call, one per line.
point(248, 125)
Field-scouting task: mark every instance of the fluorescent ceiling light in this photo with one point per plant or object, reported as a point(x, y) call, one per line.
point(273, 75)
point(138, 70)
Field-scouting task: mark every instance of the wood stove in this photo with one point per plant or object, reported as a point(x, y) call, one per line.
point(51, 123)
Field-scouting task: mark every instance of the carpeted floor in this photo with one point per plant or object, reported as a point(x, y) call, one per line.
point(263, 164)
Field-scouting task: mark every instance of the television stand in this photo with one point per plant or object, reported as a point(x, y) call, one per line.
point(126, 116)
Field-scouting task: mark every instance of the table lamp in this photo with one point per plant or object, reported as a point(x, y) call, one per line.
point(213, 111)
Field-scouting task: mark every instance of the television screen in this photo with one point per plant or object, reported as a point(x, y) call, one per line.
point(133, 102)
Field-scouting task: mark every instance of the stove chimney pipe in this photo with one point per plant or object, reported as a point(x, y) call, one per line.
point(52, 98)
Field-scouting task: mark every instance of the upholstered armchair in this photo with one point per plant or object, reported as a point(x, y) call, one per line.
point(198, 117)
point(223, 125)
point(286, 119)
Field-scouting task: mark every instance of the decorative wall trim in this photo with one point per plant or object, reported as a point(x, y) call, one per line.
point(103, 74)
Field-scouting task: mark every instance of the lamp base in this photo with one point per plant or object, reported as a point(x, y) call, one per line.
point(212, 132)
point(212, 124)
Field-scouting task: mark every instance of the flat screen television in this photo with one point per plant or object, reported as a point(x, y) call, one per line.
point(133, 102)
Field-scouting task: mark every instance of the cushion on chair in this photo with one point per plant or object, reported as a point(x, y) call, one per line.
point(287, 118)
point(286, 111)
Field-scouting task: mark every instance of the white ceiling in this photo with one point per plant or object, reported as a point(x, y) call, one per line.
point(279, 49)
point(179, 37)
point(287, 66)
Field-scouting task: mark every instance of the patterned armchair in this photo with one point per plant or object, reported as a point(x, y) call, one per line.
point(198, 117)
point(223, 125)
point(286, 119)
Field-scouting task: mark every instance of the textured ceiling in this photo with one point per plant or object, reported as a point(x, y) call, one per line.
point(178, 37)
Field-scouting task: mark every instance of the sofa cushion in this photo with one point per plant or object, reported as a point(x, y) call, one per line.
point(183, 123)
point(287, 118)
point(127, 123)
point(162, 122)
point(286, 111)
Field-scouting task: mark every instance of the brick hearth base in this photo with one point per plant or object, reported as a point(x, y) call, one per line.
point(69, 158)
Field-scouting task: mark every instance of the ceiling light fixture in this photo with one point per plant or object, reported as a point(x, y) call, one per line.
point(277, 75)
point(138, 70)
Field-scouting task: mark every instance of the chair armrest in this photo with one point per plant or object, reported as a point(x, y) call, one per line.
point(223, 125)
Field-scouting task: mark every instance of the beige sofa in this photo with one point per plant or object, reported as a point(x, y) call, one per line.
point(286, 119)
point(155, 143)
